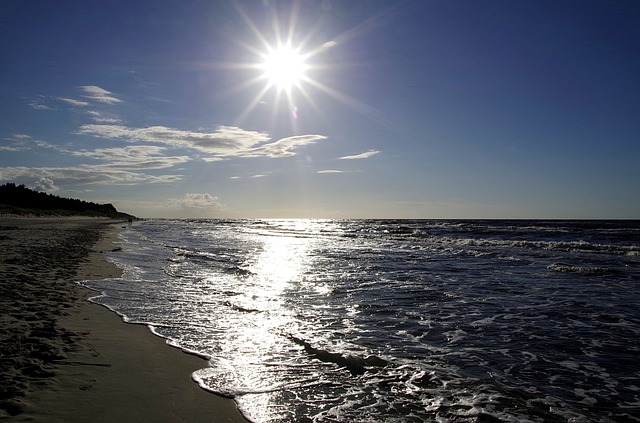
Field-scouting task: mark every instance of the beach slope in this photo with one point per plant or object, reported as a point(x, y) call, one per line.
point(65, 359)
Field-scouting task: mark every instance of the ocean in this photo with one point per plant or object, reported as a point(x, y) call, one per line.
point(395, 320)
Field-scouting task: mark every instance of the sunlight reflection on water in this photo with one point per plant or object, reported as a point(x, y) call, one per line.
point(282, 307)
point(264, 321)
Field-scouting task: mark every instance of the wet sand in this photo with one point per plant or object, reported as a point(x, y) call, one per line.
point(65, 359)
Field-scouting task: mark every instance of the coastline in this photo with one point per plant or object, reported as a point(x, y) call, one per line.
point(99, 368)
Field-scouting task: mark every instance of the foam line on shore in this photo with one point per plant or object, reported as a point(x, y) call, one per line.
point(98, 368)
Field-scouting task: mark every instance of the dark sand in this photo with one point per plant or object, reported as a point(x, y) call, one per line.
point(65, 359)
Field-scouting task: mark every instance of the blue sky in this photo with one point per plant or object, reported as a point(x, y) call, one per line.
point(416, 109)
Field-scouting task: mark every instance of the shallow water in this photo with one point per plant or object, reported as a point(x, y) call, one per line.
point(396, 320)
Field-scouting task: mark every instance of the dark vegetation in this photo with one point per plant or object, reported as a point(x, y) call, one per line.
point(20, 200)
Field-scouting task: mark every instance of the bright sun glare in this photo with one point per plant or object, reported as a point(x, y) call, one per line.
point(284, 67)
point(286, 62)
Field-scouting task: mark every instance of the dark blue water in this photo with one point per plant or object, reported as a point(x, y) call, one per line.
point(396, 320)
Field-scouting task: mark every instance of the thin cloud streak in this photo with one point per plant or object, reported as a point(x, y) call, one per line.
point(226, 141)
point(23, 142)
point(73, 102)
point(38, 105)
point(20, 137)
point(83, 175)
point(98, 94)
point(19, 142)
point(14, 147)
point(364, 155)
point(134, 157)
point(283, 147)
point(100, 118)
point(191, 201)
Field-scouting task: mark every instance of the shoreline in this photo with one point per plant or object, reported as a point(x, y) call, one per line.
point(101, 369)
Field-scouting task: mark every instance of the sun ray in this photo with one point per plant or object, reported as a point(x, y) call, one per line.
point(254, 103)
point(309, 98)
point(287, 64)
point(254, 29)
point(360, 107)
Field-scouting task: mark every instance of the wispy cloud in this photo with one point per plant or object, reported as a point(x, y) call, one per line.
point(125, 154)
point(21, 142)
point(90, 92)
point(100, 95)
point(225, 141)
point(329, 44)
point(20, 137)
point(330, 171)
point(284, 147)
point(192, 201)
point(364, 155)
point(101, 118)
point(17, 142)
point(82, 175)
point(71, 101)
point(211, 159)
point(38, 104)
point(44, 144)
point(13, 147)
point(133, 157)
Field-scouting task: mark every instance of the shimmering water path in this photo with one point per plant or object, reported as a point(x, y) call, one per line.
point(356, 320)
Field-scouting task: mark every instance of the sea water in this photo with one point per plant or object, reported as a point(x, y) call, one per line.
point(395, 320)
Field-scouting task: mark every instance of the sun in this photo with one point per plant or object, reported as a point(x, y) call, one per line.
point(284, 67)
point(290, 63)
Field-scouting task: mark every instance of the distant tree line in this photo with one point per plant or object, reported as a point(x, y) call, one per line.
point(18, 199)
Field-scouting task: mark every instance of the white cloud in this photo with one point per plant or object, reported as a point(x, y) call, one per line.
point(18, 142)
point(20, 137)
point(21, 142)
point(38, 105)
point(192, 201)
point(133, 157)
point(127, 154)
point(100, 95)
point(44, 144)
point(211, 159)
point(14, 147)
point(364, 155)
point(258, 176)
point(329, 44)
point(45, 185)
point(73, 102)
point(283, 147)
point(226, 141)
point(330, 171)
point(100, 118)
point(148, 164)
point(82, 175)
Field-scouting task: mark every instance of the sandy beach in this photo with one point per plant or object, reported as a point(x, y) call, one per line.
point(65, 359)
